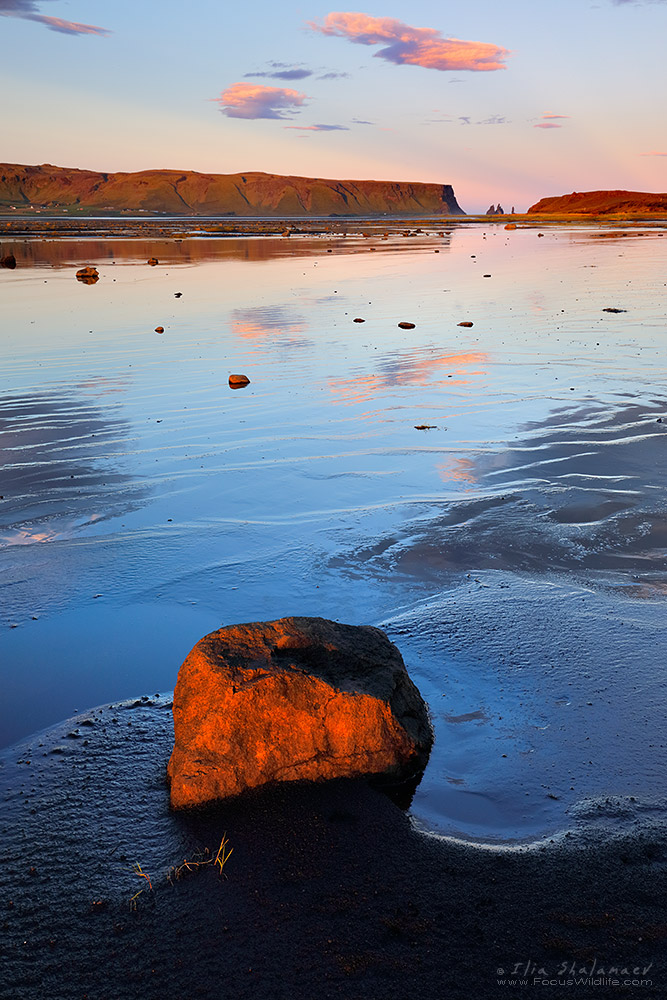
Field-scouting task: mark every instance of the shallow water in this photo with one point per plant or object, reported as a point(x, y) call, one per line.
point(516, 550)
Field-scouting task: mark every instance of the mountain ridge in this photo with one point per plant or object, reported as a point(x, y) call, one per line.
point(187, 192)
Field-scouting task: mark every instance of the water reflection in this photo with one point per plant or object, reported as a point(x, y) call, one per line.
point(411, 368)
point(582, 490)
point(64, 253)
point(612, 235)
point(187, 249)
point(270, 323)
point(61, 463)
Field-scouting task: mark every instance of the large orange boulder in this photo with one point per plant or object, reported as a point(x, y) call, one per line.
point(289, 700)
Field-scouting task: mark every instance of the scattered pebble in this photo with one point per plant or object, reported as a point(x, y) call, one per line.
point(159, 329)
point(407, 326)
point(9, 260)
point(238, 381)
point(152, 261)
point(611, 309)
point(425, 427)
point(466, 322)
point(358, 320)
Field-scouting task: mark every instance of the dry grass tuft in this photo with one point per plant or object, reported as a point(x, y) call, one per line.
point(202, 859)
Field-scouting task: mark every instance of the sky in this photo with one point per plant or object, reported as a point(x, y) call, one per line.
point(507, 102)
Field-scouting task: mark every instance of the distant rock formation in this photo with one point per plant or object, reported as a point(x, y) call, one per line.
point(499, 210)
point(188, 193)
point(299, 699)
point(602, 203)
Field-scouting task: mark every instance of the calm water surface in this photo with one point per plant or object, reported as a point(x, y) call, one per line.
point(515, 549)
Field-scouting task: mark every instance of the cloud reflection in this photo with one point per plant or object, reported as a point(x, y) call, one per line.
point(410, 369)
point(270, 324)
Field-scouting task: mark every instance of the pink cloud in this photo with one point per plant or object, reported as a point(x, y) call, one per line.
point(413, 46)
point(318, 128)
point(70, 27)
point(29, 11)
point(548, 121)
point(653, 153)
point(252, 100)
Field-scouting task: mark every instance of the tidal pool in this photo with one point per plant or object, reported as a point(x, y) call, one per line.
point(493, 496)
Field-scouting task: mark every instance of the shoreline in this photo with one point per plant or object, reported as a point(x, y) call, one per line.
point(46, 226)
point(330, 891)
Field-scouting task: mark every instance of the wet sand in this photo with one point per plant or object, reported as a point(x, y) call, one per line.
point(332, 891)
point(40, 226)
point(329, 892)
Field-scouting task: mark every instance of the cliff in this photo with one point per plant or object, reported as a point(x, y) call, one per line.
point(602, 203)
point(188, 193)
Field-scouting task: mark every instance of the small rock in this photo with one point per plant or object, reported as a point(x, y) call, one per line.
point(466, 322)
point(511, 225)
point(159, 329)
point(486, 275)
point(610, 309)
point(358, 320)
point(152, 261)
point(238, 381)
point(177, 295)
point(425, 427)
point(88, 275)
point(407, 326)
point(9, 260)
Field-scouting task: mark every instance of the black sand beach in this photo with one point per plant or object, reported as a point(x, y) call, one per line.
point(329, 892)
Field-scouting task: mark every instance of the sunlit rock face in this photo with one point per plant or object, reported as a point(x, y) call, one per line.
point(289, 700)
point(601, 203)
point(189, 193)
